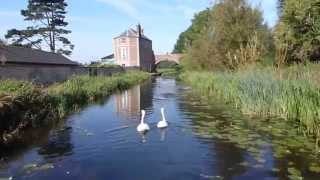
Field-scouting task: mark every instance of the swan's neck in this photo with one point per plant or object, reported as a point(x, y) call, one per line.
point(163, 117)
point(142, 119)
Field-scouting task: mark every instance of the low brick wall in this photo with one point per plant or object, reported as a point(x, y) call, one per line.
point(44, 74)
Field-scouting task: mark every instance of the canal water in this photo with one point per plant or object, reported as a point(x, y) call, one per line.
point(206, 139)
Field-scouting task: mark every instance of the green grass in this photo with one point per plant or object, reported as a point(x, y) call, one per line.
point(168, 72)
point(23, 104)
point(85, 89)
point(292, 93)
point(173, 71)
point(105, 65)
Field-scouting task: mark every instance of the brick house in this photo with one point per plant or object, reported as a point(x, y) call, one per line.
point(133, 49)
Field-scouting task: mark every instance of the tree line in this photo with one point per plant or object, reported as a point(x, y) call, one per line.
point(232, 34)
point(47, 27)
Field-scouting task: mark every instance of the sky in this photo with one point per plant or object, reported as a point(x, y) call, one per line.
point(94, 23)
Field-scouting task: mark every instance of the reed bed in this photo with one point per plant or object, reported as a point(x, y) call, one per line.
point(292, 93)
point(82, 90)
point(23, 104)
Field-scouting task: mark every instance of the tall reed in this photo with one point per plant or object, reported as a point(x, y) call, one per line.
point(294, 97)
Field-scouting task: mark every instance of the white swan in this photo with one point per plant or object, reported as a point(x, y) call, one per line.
point(163, 123)
point(143, 127)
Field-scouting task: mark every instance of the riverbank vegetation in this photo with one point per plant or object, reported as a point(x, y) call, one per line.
point(168, 69)
point(24, 104)
point(234, 55)
point(292, 95)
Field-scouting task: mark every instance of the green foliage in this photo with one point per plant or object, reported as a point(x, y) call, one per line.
point(169, 68)
point(186, 39)
point(235, 36)
point(48, 19)
point(2, 42)
point(170, 72)
point(166, 64)
point(298, 32)
point(280, 6)
point(104, 65)
point(5, 101)
point(23, 104)
point(295, 97)
point(215, 119)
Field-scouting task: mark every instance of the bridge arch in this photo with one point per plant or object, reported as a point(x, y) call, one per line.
point(176, 58)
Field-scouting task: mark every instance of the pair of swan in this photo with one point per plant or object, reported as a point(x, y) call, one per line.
point(145, 127)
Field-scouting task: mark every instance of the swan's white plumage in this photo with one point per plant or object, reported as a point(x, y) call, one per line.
point(163, 123)
point(143, 126)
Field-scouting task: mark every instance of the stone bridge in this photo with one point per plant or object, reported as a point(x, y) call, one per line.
point(169, 57)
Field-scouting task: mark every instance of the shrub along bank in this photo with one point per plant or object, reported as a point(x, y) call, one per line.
point(23, 104)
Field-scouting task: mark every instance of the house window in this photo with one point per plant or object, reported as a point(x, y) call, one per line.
point(124, 53)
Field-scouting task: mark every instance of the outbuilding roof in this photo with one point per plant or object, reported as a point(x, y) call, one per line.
point(111, 56)
point(21, 55)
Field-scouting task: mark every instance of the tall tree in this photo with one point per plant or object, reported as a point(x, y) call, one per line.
point(186, 38)
point(235, 36)
point(298, 32)
point(280, 6)
point(47, 30)
point(2, 42)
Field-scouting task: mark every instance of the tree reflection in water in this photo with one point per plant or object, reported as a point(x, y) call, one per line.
point(59, 144)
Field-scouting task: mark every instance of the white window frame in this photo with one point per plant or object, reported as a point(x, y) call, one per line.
point(124, 53)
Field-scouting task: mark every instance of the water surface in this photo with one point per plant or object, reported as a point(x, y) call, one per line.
point(205, 140)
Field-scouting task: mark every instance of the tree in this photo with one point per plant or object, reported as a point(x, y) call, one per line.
point(235, 36)
point(187, 37)
point(298, 32)
point(2, 42)
point(48, 18)
point(280, 6)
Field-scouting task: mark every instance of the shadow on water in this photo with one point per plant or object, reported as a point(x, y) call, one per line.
point(206, 139)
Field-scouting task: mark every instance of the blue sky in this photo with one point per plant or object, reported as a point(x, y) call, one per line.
point(95, 22)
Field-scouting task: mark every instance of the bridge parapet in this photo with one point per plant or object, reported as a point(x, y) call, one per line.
point(169, 57)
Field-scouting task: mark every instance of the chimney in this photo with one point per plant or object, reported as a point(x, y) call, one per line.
point(139, 29)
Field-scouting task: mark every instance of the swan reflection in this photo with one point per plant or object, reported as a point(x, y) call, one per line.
point(163, 134)
point(143, 136)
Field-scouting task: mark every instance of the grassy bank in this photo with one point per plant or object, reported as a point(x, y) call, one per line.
point(168, 69)
point(23, 104)
point(168, 72)
point(292, 93)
